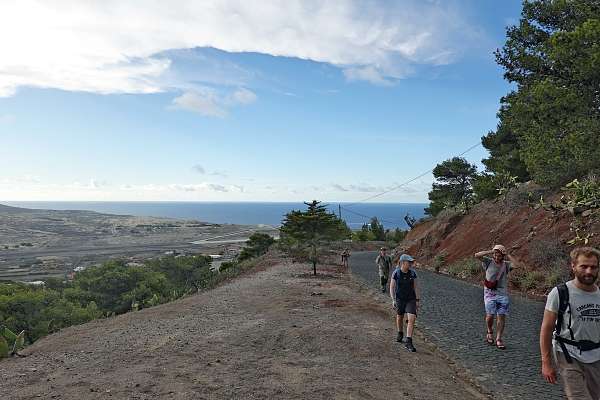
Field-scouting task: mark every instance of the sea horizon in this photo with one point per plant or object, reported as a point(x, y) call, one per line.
point(237, 212)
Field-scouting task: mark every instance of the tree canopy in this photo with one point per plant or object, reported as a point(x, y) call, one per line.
point(306, 232)
point(549, 124)
point(453, 187)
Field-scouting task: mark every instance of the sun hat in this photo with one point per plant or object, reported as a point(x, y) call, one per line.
point(500, 248)
point(406, 257)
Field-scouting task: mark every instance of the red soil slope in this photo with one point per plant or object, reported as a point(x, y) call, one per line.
point(510, 221)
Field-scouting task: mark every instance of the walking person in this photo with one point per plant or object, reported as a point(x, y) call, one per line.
point(572, 314)
point(405, 298)
point(384, 264)
point(495, 291)
point(345, 255)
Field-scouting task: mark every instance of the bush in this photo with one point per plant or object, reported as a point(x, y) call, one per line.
point(531, 280)
point(559, 274)
point(257, 245)
point(439, 261)
point(465, 268)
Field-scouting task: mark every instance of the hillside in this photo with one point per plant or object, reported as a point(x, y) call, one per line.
point(279, 333)
point(535, 236)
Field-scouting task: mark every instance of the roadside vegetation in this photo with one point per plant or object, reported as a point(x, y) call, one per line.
point(375, 231)
point(110, 289)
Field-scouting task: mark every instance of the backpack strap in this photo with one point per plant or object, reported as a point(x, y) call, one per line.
point(563, 304)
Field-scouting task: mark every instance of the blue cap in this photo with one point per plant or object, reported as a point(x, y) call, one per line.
point(406, 257)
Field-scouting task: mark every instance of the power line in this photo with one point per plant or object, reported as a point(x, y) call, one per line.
point(367, 217)
point(404, 183)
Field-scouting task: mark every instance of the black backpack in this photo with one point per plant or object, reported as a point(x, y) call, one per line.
point(563, 304)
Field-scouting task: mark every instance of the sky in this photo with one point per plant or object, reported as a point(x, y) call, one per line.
point(231, 100)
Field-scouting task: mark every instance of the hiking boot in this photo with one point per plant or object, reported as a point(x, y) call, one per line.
point(399, 337)
point(409, 345)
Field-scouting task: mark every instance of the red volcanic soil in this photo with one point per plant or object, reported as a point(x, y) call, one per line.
point(510, 221)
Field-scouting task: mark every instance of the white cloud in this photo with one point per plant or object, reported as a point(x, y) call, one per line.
point(243, 96)
point(113, 46)
point(204, 102)
point(208, 102)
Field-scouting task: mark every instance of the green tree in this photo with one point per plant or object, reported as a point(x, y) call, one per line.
point(308, 231)
point(505, 156)
point(551, 121)
point(256, 245)
point(453, 187)
point(364, 234)
point(377, 229)
point(114, 286)
point(184, 274)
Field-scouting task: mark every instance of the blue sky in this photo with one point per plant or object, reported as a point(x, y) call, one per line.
point(285, 101)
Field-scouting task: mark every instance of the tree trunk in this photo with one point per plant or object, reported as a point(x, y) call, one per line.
point(314, 267)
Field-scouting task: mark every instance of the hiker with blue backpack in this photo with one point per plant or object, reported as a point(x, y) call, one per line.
point(405, 298)
point(570, 332)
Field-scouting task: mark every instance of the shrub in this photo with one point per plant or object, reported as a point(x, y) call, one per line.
point(465, 268)
point(439, 261)
point(531, 280)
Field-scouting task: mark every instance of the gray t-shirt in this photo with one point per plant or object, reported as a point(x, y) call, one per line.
point(497, 272)
point(584, 312)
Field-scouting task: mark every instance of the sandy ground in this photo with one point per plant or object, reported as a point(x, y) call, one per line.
point(278, 333)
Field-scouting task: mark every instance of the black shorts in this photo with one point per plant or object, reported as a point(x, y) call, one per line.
point(406, 307)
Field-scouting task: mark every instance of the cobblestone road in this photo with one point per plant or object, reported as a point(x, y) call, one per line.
point(451, 315)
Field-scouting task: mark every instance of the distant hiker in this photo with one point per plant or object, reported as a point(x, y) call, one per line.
point(495, 291)
point(405, 298)
point(384, 264)
point(345, 255)
point(572, 315)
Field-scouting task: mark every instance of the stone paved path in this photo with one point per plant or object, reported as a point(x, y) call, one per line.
point(451, 315)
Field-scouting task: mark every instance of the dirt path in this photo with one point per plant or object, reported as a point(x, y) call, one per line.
point(275, 334)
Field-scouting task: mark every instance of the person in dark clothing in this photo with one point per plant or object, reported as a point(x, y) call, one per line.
point(405, 297)
point(384, 264)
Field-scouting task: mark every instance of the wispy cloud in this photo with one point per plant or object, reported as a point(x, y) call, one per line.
point(208, 102)
point(202, 171)
point(199, 168)
point(116, 47)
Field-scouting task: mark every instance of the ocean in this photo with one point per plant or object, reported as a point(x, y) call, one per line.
point(243, 213)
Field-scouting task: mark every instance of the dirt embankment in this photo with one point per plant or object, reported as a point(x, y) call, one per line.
point(534, 236)
point(279, 333)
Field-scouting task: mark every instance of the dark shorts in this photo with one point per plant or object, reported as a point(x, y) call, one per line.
point(406, 307)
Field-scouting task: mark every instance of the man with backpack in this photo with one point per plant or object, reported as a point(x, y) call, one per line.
point(405, 298)
point(495, 291)
point(571, 326)
point(384, 264)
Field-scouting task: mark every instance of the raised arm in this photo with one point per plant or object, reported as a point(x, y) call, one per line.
point(482, 254)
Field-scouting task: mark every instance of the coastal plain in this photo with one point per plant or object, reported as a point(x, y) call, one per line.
point(36, 244)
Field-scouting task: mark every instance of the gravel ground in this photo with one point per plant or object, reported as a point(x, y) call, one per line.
point(275, 334)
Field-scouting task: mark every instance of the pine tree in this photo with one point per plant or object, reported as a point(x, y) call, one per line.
point(308, 231)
